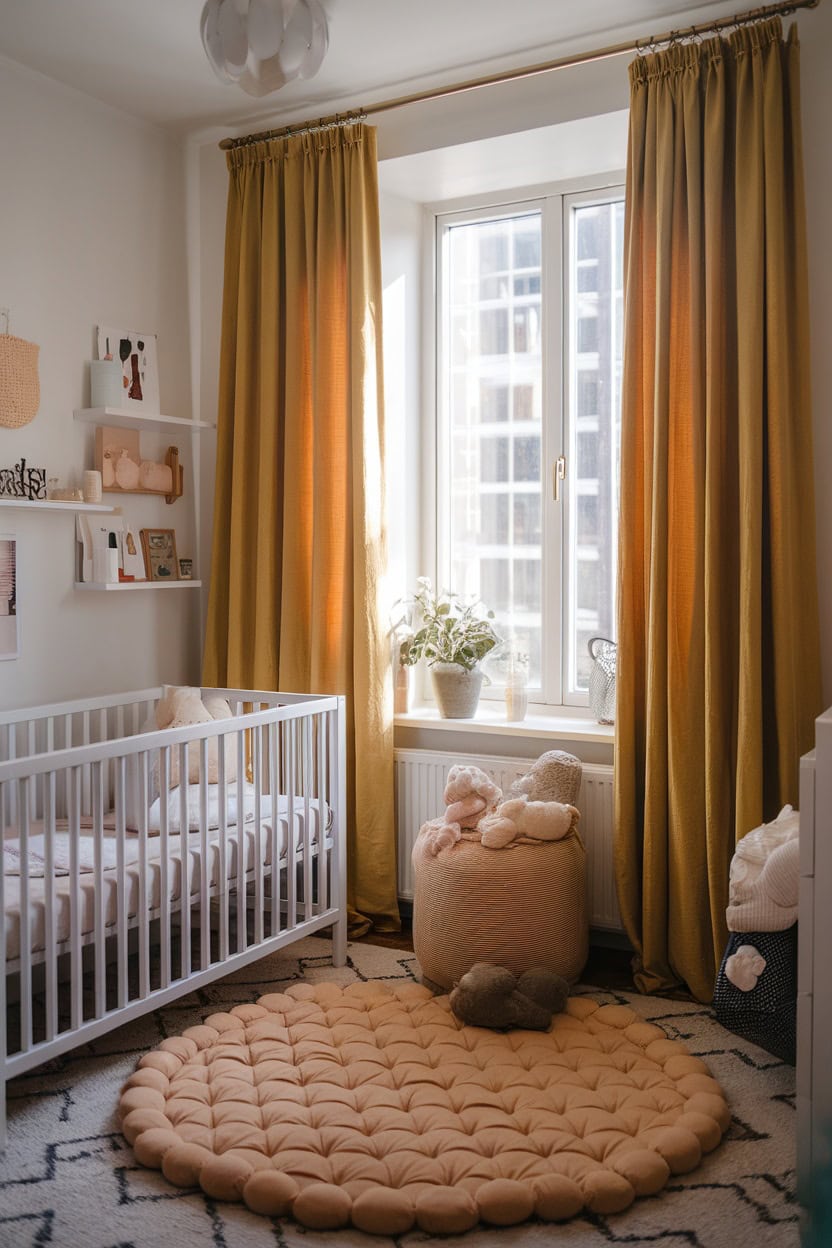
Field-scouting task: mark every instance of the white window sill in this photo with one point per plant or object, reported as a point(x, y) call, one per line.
point(489, 721)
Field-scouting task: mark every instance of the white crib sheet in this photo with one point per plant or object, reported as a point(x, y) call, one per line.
point(256, 842)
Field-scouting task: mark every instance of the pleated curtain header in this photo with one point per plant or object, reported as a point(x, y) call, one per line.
point(695, 56)
point(308, 143)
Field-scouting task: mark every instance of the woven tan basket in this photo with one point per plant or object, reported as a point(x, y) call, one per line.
point(519, 907)
point(19, 383)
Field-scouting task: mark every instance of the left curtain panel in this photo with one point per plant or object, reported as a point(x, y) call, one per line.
point(299, 540)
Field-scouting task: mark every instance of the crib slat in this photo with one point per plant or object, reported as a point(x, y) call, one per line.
point(12, 755)
point(323, 852)
point(274, 823)
point(338, 804)
point(25, 923)
point(76, 986)
point(31, 745)
point(85, 740)
point(98, 899)
point(184, 864)
point(222, 873)
point(307, 840)
point(291, 834)
point(50, 952)
point(258, 841)
point(204, 864)
point(242, 932)
point(121, 904)
point(143, 901)
point(164, 864)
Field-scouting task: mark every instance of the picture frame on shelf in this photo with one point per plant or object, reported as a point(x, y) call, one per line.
point(139, 366)
point(159, 549)
point(186, 569)
point(132, 555)
point(9, 619)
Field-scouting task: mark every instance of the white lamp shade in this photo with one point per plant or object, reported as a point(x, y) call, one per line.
point(224, 39)
point(263, 44)
point(265, 28)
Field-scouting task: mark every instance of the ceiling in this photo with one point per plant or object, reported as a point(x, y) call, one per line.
point(145, 57)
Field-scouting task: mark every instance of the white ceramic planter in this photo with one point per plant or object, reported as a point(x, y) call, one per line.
point(457, 691)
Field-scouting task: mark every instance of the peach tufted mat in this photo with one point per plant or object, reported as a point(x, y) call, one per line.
point(373, 1104)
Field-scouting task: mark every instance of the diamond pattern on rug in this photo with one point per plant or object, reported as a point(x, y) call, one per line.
point(70, 1180)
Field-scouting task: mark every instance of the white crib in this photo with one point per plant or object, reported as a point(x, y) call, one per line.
point(120, 890)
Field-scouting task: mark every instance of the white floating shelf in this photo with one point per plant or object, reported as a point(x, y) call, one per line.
point(123, 418)
point(48, 504)
point(117, 586)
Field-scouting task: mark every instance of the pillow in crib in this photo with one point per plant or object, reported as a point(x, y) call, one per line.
point(181, 706)
point(178, 708)
point(232, 808)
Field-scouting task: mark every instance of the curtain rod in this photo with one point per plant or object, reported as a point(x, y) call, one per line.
point(528, 71)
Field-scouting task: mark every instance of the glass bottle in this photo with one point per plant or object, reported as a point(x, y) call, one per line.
point(517, 693)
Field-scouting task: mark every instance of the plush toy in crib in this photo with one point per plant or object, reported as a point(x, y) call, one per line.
point(181, 706)
point(469, 794)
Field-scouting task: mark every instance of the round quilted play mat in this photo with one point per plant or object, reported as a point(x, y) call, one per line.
point(373, 1105)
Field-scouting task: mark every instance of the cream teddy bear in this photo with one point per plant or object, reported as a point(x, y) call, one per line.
point(516, 817)
point(181, 706)
point(765, 874)
point(470, 794)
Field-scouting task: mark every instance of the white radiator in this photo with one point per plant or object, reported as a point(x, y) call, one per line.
point(420, 782)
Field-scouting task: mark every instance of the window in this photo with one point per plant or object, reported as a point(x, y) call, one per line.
point(528, 370)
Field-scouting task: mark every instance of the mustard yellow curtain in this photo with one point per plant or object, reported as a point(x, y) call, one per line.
point(299, 541)
point(718, 657)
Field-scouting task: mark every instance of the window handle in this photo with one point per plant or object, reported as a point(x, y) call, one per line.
point(558, 475)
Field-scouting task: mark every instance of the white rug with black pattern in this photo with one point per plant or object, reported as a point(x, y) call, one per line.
point(70, 1180)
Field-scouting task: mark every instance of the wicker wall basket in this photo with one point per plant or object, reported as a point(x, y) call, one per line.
point(19, 382)
point(519, 907)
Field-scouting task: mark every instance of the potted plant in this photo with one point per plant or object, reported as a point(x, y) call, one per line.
point(453, 639)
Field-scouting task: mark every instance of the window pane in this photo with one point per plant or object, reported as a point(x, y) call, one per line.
point(527, 519)
point(493, 380)
point(494, 519)
point(493, 402)
point(595, 300)
point(494, 459)
point(527, 459)
point(494, 332)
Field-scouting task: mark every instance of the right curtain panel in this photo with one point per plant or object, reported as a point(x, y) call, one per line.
point(718, 678)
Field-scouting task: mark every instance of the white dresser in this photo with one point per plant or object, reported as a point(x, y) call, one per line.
point(814, 976)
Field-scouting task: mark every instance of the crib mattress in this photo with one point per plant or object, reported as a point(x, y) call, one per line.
point(256, 843)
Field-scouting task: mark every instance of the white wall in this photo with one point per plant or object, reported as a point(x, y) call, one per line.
point(92, 228)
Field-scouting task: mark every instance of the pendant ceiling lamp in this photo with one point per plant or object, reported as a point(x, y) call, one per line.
point(263, 44)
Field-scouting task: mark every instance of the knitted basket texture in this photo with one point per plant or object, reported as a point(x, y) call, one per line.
point(19, 382)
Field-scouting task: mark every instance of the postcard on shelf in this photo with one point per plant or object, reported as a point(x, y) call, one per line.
point(139, 366)
point(98, 536)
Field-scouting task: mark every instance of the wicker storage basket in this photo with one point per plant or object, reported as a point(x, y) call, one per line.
point(19, 382)
point(519, 907)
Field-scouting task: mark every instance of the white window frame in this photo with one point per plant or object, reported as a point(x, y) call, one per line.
point(570, 202)
point(554, 202)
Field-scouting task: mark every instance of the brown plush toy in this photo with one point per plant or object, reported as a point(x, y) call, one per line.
point(491, 996)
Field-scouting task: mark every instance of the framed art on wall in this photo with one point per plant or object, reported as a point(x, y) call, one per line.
point(139, 366)
point(159, 549)
point(9, 632)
